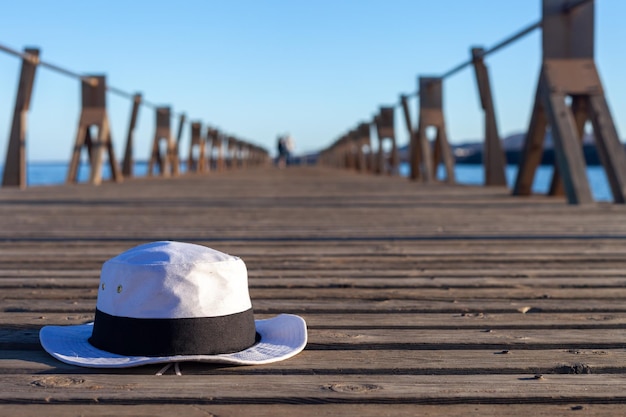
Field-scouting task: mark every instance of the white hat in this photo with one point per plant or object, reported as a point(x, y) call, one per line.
point(174, 302)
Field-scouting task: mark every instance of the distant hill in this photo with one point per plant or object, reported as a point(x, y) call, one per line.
point(471, 152)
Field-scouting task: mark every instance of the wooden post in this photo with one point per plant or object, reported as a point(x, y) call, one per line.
point(414, 150)
point(14, 174)
point(127, 165)
point(362, 140)
point(381, 163)
point(196, 142)
point(237, 153)
point(175, 149)
point(228, 152)
point(343, 160)
point(569, 69)
point(386, 130)
point(218, 141)
point(494, 161)
point(211, 147)
point(244, 153)
point(94, 114)
point(162, 132)
point(580, 110)
point(431, 114)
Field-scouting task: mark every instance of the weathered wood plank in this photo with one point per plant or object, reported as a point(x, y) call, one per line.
point(316, 410)
point(280, 281)
point(384, 320)
point(351, 306)
point(366, 362)
point(418, 339)
point(312, 389)
point(572, 295)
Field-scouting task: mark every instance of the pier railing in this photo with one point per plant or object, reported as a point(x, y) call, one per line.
point(210, 148)
point(569, 93)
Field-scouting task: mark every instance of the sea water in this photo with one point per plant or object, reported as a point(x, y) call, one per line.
point(474, 174)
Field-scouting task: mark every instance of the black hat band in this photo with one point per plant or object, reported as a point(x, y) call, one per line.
point(169, 337)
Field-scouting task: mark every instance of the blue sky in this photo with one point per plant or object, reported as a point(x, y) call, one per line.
point(255, 69)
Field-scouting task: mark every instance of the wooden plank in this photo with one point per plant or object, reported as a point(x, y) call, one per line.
point(383, 320)
point(277, 389)
point(282, 279)
point(315, 410)
point(296, 306)
point(366, 362)
point(417, 339)
point(418, 295)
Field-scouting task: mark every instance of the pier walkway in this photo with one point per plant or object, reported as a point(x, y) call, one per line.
point(420, 300)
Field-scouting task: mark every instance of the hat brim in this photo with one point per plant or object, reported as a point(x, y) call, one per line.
point(282, 337)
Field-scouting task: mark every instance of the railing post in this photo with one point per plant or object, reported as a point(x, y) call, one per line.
point(162, 133)
point(421, 164)
point(211, 146)
point(568, 69)
point(363, 139)
point(381, 163)
point(175, 150)
point(15, 162)
point(221, 157)
point(237, 154)
point(493, 155)
point(230, 148)
point(386, 130)
point(431, 114)
point(93, 113)
point(414, 150)
point(243, 155)
point(196, 142)
point(127, 164)
point(349, 148)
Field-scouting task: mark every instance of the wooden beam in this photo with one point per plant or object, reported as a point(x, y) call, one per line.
point(567, 149)
point(580, 110)
point(94, 114)
point(532, 149)
point(431, 114)
point(609, 147)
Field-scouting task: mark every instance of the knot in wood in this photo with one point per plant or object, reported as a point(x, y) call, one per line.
point(353, 388)
point(57, 381)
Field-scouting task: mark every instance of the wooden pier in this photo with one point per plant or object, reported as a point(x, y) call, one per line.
point(434, 300)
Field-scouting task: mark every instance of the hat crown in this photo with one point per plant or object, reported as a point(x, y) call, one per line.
point(173, 280)
point(171, 253)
